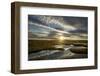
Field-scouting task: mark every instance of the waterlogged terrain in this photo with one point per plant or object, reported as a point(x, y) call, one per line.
point(53, 49)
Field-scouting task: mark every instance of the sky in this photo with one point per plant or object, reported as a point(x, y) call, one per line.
point(44, 26)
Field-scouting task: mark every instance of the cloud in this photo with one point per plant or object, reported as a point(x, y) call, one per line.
point(47, 26)
point(54, 22)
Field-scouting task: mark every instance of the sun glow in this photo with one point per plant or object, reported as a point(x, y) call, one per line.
point(61, 38)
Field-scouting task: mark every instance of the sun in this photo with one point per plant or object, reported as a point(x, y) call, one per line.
point(61, 38)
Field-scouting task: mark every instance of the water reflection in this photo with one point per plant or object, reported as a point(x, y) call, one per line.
point(60, 52)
